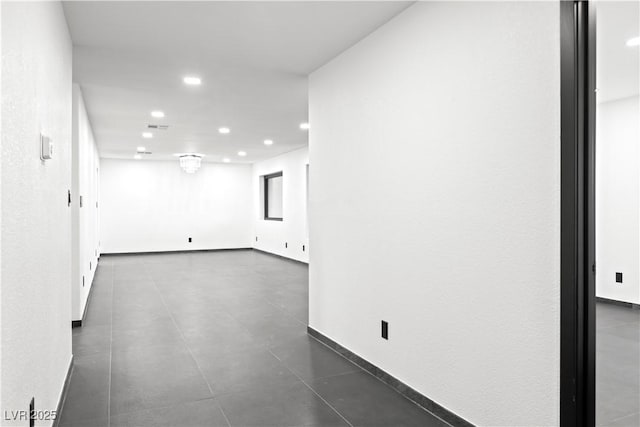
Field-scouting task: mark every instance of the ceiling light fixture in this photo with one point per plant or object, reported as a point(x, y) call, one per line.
point(224, 130)
point(226, 160)
point(192, 81)
point(157, 114)
point(137, 157)
point(268, 142)
point(190, 163)
point(141, 149)
point(242, 153)
point(304, 126)
point(147, 135)
point(633, 42)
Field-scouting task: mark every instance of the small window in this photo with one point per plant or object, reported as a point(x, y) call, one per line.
point(273, 197)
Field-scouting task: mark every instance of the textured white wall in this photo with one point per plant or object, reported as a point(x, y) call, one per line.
point(617, 196)
point(435, 205)
point(36, 221)
point(85, 170)
point(148, 206)
point(272, 235)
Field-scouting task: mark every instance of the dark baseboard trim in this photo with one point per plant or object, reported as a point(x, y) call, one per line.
point(411, 394)
point(201, 250)
point(280, 256)
point(620, 303)
point(63, 395)
point(173, 252)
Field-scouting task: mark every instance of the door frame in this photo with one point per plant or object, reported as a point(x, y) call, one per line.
point(577, 241)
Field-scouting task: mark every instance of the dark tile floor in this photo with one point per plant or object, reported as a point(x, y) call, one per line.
point(215, 339)
point(617, 366)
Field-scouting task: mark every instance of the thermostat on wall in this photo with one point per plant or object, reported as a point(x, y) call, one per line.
point(46, 147)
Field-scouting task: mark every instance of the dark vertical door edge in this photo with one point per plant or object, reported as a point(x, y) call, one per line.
point(577, 276)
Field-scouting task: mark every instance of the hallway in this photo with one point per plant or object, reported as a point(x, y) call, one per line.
point(215, 339)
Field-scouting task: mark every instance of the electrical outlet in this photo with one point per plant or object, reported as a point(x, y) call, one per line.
point(286, 245)
point(189, 239)
point(302, 248)
point(618, 277)
point(83, 281)
point(90, 265)
point(385, 330)
point(256, 238)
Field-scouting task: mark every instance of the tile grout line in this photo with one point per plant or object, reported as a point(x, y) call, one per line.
point(166, 307)
point(246, 329)
point(312, 390)
point(264, 346)
point(268, 349)
point(623, 417)
point(113, 280)
point(223, 413)
point(379, 379)
point(286, 313)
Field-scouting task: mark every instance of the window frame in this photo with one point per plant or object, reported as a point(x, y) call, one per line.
point(265, 182)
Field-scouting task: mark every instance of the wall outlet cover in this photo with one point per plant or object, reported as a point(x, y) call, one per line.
point(618, 277)
point(385, 329)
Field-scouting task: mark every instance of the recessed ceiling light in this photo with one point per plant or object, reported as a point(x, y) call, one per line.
point(192, 81)
point(141, 149)
point(268, 142)
point(633, 42)
point(147, 135)
point(226, 160)
point(224, 130)
point(137, 157)
point(242, 153)
point(157, 114)
point(304, 126)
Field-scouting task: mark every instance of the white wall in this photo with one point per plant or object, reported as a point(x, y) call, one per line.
point(292, 230)
point(617, 197)
point(435, 205)
point(148, 206)
point(85, 238)
point(36, 221)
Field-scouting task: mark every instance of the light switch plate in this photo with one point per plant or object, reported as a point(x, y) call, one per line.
point(46, 147)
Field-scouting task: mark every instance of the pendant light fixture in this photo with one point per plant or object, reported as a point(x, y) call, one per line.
point(190, 163)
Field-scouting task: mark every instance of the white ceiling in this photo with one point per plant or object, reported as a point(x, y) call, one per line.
point(618, 65)
point(253, 58)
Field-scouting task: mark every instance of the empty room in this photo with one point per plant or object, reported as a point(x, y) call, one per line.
point(319, 213)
